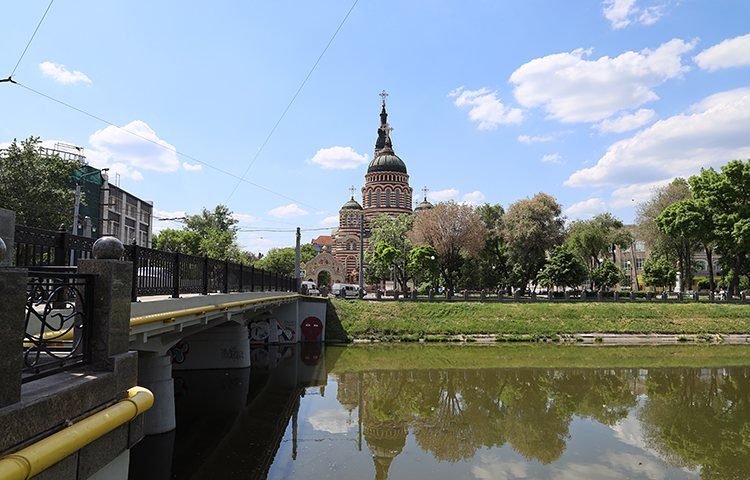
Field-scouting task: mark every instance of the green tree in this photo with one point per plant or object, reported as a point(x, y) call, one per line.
point(659, 272)
point(725, 195)
point(211, 233)
point(391, 232)
point(595, 240)
point(492, 262)
point(563, 269)
point(424, 265)
point(455, 231)
point(607, 275)
point(679, 251)
point(281, 260)
point(37, 187)
point(531, 228)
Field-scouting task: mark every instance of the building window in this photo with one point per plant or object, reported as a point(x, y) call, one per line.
point(377, 198)
point(638, 264)
point(369, 198)
point(387, 197)
point(640, 246)
point(398, 198)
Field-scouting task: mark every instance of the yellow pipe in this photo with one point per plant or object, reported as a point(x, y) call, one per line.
point(43, 454)
point(168, 317)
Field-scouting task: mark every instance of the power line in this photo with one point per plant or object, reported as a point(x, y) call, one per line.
point(289, 105)
point(31, 39)
point(174, 150)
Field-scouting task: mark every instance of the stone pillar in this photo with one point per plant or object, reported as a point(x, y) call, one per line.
point(567, 295)
point(414, 294)
point(532, 296)
point(466, 295)
point(378, 294)
point(517, 295)
point(500, 295)
point(632, 296)
point(220, 347)
point(7, 235)
point(583, 294)
point(648, 296)
point(155, 373)
point(695, 296)
point(599, 296)
point(431, 294)
point(110, 328)
point(616, 296)
point(12, 324)
point(482, 295)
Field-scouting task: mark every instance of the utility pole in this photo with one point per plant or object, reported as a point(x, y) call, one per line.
point(297, 270)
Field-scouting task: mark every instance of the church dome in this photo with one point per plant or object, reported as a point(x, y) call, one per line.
point(423, 205)
point(387, 161)
point(351, 205)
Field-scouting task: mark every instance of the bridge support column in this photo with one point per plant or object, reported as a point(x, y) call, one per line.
point(155, 373)
point(223, 346)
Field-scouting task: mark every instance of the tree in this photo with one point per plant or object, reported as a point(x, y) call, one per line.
point(281, 260)
point(606, 275)
point(725, 196)
point(424, 265)
point(455, 232)
point(392, 232)
point(212, 233)
point(491, 263)
point(659, 272)
point(37, 187)
point(594, 240)
point(678, 250)
point(689, 221)
point(563, 269)
point(531, 228)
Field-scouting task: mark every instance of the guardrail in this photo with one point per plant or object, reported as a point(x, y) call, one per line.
point(155, 272)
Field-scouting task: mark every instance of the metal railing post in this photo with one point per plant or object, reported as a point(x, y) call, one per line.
point(61, 254)
point(226, 275)
point(252, 278)
point(205, 275)
point(242, 273)
point(134, 287)
point(262, 280)
point(176, 275)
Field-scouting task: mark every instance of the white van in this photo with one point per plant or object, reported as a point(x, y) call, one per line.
point(345, 290)
point(309, 288)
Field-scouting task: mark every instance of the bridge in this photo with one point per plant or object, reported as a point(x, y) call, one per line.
point(83, 352)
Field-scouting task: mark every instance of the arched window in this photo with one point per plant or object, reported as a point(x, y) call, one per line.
point(377, 198)
point(398, 198)
point(369, 198)
point(387, 197)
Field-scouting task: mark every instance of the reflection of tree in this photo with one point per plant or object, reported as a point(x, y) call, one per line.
point(701, 418)
point(453, 413)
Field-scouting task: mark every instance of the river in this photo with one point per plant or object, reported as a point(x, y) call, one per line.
point(461, 412)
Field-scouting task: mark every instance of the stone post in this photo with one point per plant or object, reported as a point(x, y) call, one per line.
point(12, 325)
point(414, 294)
point(599, 296)
point(583, 294)
point(632, 296)
point(648, 296)
point(111, 307)
point(7, 235)
point(466, 295)
point(500, 295)
point(616, 296)
point(378, 294)
point(482, 295)
point(695, 296)
point(567, 295)
point(532, 296)
point(395, 295)
point(517, 295)
point(431, 294)
point(664, 295)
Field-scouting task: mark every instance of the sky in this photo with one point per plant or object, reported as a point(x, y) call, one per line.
point(594, 102)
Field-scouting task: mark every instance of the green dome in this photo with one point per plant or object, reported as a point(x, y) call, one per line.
point(351, 205)
point(387, 161)
point(423, 205)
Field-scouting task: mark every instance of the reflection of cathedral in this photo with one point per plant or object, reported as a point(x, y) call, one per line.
point(386, 192)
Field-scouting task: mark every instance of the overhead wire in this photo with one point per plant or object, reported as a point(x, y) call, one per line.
point(174, 150)
point(289, 105)
point(30, 40)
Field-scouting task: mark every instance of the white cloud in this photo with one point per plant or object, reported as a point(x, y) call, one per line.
point(127, 154)
point(572, 88)
point(60, 74)
point(552, 158)
point(529, 139)
point(190, 167)
point(244, 217)
point(622, 13)
point(444, 195)
point(330, 420)
point(159, 225)
point(485, 108)
point(631, 195)
point(339, 158)
point(491, 467)
point(733, 52)
point(586, 209)
point(331, 221)
point(626, 122)
point(285, 211)
point(473, 198)
point(713, 133)
point(256, 244)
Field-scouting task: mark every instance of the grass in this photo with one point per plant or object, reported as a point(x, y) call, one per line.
point(388, 356)
point(412, 321)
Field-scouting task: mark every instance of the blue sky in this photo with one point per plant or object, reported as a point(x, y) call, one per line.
point(594, 102)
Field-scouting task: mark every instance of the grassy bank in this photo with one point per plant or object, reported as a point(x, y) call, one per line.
point(390, 356)
point(433, 321)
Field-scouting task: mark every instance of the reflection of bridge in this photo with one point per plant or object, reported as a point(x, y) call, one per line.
point(229, 425)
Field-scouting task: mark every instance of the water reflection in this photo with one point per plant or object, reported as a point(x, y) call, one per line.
point(305, 414)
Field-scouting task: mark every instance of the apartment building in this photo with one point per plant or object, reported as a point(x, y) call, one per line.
point(125, 216)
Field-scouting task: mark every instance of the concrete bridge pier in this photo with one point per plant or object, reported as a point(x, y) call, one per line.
point(155, 373)
point(224, 346)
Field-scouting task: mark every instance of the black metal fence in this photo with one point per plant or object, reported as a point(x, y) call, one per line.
point(58, 321)
point(155, 272)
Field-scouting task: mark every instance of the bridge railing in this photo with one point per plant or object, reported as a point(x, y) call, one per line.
point(155, 272)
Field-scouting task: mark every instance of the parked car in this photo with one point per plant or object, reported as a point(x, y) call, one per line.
point(345, 290)
point(309, 288)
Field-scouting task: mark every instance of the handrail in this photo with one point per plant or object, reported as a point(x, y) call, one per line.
point(43, 454)
point(168, 317)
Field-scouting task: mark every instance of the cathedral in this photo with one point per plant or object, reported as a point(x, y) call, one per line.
point(386, 191)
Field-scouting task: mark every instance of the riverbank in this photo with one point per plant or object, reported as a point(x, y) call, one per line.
point(597, 322)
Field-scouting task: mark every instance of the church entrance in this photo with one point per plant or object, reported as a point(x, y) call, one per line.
point(324, 278)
